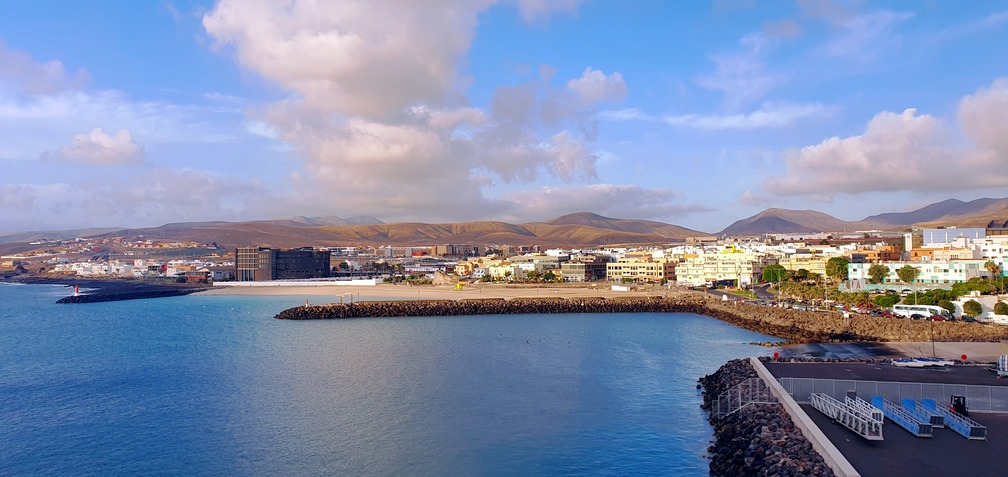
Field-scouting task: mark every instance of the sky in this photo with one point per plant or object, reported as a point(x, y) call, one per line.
point(131, 114)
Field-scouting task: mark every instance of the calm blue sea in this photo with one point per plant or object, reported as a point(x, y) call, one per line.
point(213, 385)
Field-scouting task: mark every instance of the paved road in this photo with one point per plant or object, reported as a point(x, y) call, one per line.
point(901, 453)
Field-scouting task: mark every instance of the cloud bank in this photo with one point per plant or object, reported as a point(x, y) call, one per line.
point(378, 113)
point(907, 151)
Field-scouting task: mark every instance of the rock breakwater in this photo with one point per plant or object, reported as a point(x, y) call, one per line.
point(759, 439)
point(793, 325)
point(130, 295)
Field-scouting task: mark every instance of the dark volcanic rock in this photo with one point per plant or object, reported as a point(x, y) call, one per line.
point(758, 440)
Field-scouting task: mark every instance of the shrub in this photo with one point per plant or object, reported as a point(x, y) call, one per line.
point(886, 301)
point(972, 308)
point(1001, 308)
point(947, 305)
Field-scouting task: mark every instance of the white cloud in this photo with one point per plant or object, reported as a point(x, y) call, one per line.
point(627, 114)
point(897, 151)
point(377, 111)
point(770, 115)
point(357, 57)
point(594, 87)
point(613, 200)
point(869, 36)
point(907, 152)
point(990, 22)
point(532, 10)
point(984, 118)
point(742, 75)
point(25, 75)
point(149, 196)
point(97, 148)
point(16, 198)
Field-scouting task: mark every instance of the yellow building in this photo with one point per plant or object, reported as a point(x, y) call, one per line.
point(744, 268)
point(641, 268)
point(814, 263)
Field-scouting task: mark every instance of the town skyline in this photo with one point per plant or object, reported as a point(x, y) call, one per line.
point(693, 115)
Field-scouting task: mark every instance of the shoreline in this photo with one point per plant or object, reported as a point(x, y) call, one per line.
point(750, 317)
point(432, 292)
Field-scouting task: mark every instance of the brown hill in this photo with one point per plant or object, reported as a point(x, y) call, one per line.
point(289, 233)
point(947, 212)
point(626, 225)
point(977, 213)
point(784, 221)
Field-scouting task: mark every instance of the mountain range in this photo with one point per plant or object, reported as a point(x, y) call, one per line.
point(578, 229)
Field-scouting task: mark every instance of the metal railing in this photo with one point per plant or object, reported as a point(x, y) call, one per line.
point(978, 398)
point(750, 391)
point(862, 419)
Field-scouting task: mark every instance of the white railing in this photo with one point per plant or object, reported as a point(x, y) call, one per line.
point(854, 417)
point(750, 391)
point(979, 398)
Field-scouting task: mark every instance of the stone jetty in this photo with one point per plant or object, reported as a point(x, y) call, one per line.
point(758, 440)
point(128, 295)
point(793, 325)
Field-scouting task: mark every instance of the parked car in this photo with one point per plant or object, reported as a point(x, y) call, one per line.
point(917, 316)
point(938, 318)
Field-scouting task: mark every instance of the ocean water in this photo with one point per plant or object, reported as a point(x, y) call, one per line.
point(213, 385)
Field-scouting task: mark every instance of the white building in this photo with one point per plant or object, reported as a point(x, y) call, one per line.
point(939, 272)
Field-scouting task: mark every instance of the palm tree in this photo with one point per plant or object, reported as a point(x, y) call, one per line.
point(994, 270)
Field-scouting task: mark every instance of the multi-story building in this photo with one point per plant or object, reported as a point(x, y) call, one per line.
point(456, 250)
point(744, 268)
point(263, 264)
point(584, 268)
point(538, 261)
point(997, 229)
point(254, 264)
point(944, 272)
point(641, 268)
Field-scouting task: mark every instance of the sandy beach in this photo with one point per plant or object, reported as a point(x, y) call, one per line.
point(429, 292)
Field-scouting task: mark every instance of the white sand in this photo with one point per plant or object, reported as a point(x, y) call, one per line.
point(427, 292)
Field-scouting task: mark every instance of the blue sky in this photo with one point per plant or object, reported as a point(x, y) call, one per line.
point(128, 113)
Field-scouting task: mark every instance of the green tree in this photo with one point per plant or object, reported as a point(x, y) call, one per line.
point(549, 277)
point(1001, 308)
point(343, 266)
point(907, 273)
point(836, 268)
point(861, 299)
point(972, 308)
point(886, 301)
point(774, 273)
point(993, 270)
point(877, 273)
point(801, 274)
point(974, 284)
point(947, 305)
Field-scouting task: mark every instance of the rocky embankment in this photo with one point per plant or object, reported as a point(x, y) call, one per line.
point(758, 440)
point(793, 325)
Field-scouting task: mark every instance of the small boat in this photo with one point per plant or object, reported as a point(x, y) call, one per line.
point(922, 362)
point(936, 361)
point(908, 363)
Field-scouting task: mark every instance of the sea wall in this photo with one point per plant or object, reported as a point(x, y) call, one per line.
point(793, 325)
point(129, 295)
point(759, 439)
